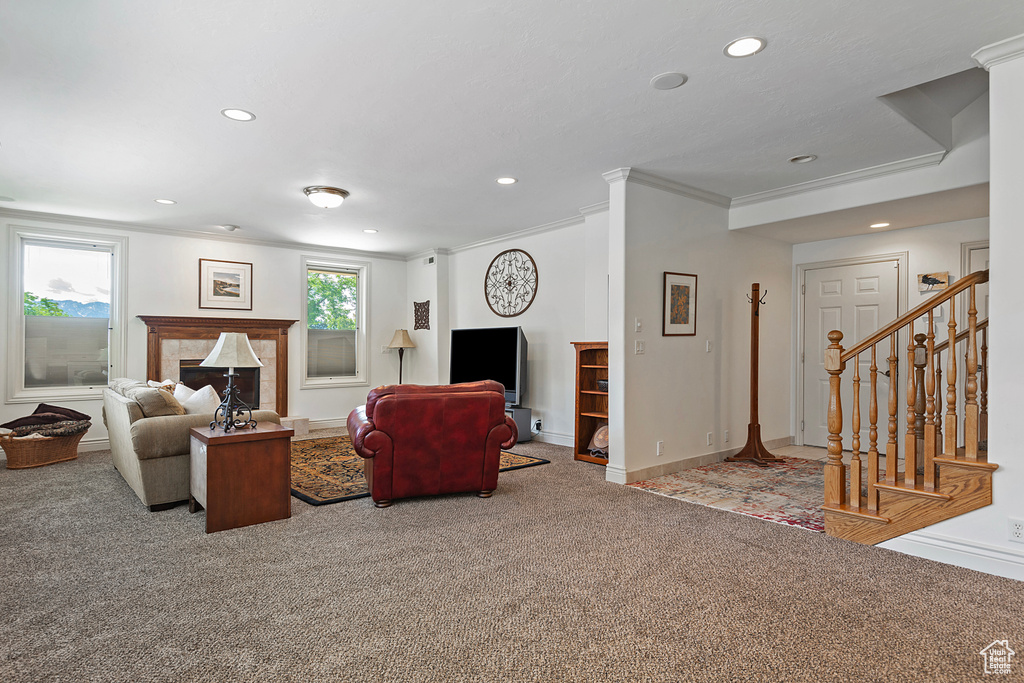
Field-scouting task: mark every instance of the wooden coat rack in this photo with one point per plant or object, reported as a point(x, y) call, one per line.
point(754, 451)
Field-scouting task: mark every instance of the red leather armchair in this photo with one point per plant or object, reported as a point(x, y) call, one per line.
point(428, 440)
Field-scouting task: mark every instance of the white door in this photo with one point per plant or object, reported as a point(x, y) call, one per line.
point(856, 300)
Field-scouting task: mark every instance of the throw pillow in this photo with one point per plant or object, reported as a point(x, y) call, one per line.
point(154, 402)
point(167, 385)
point(202, 402)
point(183, 393)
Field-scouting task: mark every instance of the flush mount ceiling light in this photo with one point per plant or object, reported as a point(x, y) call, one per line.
point(370, 231)
point(744, 47)
point(165, 201)
point(229, 227)
point(506, 181)
point(238, 114)
point(667, 81)
point(325, 197)
point(802, 159)
point(879, 225)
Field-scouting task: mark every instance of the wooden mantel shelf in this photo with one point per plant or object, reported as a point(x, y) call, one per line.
point(161, 327)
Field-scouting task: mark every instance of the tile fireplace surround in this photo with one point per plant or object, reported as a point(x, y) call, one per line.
point(171, 339)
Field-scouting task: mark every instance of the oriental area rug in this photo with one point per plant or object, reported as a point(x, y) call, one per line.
point(787, 493)
point(328, 470)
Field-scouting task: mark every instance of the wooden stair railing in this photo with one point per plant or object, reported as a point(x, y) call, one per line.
point(931, 437)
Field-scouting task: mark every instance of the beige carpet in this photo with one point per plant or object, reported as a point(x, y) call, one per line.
point(560, 576)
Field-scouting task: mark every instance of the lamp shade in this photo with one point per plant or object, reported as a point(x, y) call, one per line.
point(401, 340)
point(232, 351)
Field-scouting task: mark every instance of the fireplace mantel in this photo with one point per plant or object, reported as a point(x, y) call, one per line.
point(162, 327)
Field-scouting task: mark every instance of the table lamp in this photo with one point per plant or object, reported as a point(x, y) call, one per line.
point(401, 341)
point(232, 351)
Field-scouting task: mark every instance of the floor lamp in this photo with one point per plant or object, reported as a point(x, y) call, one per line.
point(401, 341)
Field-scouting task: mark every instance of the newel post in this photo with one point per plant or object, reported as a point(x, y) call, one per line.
point(835, 473)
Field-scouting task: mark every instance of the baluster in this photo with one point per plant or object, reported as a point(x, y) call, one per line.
point(920, 361)
point(971, 393)
point(938, 408)
point(949, 430)
point(835, 474)
point(855, 474)
point(929, 419)
point(892, 451)
point(910, 437)
point(983, 416)
point(873, 436)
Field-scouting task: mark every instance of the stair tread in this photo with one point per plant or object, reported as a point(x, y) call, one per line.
point(960, 461)
point(918, 490)
point(859, 514)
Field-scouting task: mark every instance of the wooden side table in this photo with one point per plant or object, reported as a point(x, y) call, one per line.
point(241, 477)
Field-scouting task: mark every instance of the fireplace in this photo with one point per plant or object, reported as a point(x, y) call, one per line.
point(247, 381)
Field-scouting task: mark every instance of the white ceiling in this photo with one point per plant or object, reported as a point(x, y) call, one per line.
point(415, 107)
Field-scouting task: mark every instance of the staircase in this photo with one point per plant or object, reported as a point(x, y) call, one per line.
point(942, 470)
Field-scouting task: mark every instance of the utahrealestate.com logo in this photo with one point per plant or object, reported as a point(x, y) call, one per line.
point(998, 656)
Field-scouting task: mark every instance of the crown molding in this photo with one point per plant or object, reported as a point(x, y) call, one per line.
point(641, 178)
point(437, 251)
point(997, 53)
point(80, 221)
point(600, 207)
point(923, 161)
point(547, 227)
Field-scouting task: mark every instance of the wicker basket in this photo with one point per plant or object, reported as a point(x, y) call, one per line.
point(36, 452)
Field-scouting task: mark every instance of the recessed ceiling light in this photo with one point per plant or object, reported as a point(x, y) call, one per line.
point(165, 201)
point(325, 197)
point(370, 231)
point(879, 225)
point(238, 114)
point(229, 227)
point(744, 47)
point(802, 158)
point(506, 181)
point(667, 81)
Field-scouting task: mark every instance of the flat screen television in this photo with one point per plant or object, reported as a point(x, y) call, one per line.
point(497, 353)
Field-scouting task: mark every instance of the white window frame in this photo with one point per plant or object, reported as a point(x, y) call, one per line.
point(118, 248)
point(362, 271)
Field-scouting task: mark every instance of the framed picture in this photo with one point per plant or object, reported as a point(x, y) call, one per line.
point(225, 284)
point(679, 306)
point(930, 282)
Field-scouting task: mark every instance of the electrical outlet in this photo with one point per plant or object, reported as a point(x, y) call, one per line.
point(536, 425)
point(726, 437)
point(1015, 530)
point(661, 448)
point(383, 348)
point(639, 347)
point(707, 346)
point(710, 438)
point(639, 325)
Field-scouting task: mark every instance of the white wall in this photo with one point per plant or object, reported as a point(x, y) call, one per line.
point(428, 362)
point(677, 391)
point(163, 280)
point(571, 305)
point(979, 539)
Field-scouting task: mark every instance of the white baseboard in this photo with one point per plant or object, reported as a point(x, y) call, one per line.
point(86, 445)
point(554, 438)
point(982, 557)
point(662, 469)
point(330, 423)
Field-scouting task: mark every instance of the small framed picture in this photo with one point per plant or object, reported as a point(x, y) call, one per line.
point(679, 306)
point(930, 282)
point(225, 284)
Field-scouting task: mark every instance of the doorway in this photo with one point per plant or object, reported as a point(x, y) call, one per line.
point(857, 297)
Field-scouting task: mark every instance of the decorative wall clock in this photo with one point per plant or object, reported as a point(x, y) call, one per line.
point(510, 284)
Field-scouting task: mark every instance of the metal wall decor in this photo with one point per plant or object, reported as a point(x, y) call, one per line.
point(421, 315)
point(510, 284)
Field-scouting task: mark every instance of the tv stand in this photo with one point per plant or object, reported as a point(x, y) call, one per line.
point(522, 417)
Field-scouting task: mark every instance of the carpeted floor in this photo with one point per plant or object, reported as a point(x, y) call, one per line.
point(789, 493)
point(560, 576)
point(328, 470)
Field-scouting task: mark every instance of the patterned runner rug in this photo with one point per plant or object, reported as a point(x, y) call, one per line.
point(328, 470)
point(788, 493)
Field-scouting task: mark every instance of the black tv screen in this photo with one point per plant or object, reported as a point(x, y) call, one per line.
point(497, 353)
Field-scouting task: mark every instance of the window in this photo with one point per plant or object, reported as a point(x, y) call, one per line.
point(66, 335)
point(335, 323)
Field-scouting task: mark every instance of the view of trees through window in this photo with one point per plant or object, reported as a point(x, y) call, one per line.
point(331, 300)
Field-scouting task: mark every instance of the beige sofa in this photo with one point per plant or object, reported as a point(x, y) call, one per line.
point(149, 440)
